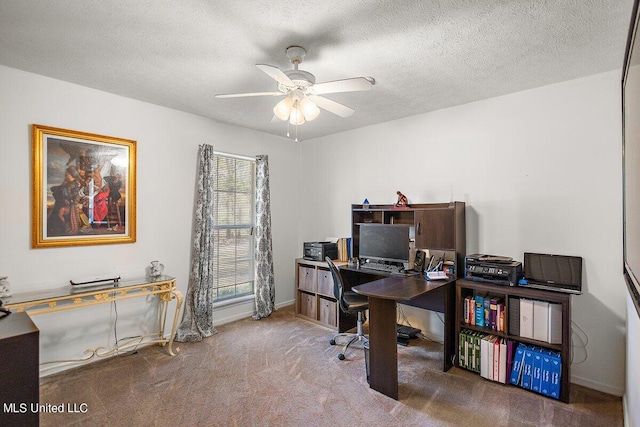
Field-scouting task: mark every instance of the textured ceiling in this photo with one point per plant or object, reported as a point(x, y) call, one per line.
point(424, 55)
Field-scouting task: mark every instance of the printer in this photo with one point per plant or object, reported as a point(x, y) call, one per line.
point(317, 251)
point(497, 270)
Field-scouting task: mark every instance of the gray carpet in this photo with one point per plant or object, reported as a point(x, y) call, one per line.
point(281, 371)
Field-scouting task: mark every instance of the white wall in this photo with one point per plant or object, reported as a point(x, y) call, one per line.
point(167, 142)
point(539, 170)
point(632, 393)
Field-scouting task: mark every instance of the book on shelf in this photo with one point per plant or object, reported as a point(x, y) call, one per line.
point(487, 311)
point(479, 310)
point(344, 248)
point(500, 316)
point(496, 312)
point(468, 310)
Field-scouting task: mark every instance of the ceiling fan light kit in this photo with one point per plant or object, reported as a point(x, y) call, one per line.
point(302, 102)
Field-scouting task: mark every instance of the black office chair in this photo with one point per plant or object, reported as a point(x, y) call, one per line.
point(350, 303)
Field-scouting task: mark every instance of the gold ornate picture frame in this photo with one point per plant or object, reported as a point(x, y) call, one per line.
point(84, 188)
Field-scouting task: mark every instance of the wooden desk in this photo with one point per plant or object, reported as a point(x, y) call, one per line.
point(383, 295)
point(71, 297)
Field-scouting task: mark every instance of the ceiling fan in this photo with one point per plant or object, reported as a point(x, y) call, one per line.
point(303, 93)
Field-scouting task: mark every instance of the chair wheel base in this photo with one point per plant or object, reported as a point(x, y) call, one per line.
point(341, 356)
point(332, 342)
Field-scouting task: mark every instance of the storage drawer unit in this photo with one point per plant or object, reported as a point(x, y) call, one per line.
point(314, 293)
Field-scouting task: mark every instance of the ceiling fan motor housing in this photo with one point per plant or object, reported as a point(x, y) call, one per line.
point(302, 79)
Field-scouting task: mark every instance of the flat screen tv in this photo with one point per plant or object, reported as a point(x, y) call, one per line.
point(631, 159)
point(384, 242)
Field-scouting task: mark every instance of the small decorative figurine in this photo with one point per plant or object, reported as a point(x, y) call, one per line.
point(156, 269)
point(5, 287)
point(402, 199)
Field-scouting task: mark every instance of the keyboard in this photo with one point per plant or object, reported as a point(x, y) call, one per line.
point(381, 267)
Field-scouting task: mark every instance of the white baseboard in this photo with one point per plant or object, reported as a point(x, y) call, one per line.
point(605, 388)
point(241, 311)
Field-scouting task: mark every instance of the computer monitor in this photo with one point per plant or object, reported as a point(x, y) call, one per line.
point(384, 242)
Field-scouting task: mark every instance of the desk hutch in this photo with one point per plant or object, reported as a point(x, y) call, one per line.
point(439, 227)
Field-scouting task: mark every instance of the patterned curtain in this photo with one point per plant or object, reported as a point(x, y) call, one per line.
point(197, 322)
point(265, 289)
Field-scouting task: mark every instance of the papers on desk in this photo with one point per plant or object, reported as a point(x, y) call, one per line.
point(436, 275)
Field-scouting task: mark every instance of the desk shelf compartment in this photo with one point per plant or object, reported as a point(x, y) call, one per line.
point(438, 227)
point(314, 293)
point(511, 295)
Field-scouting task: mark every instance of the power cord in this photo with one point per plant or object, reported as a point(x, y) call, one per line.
point(584, 341)
point(115, 335)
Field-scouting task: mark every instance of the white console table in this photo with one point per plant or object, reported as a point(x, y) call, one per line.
point(71, 297)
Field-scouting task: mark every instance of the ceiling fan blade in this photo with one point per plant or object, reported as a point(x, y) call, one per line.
point(331, 106)
point(276, 74)
point(240, 95)
point(346, 85)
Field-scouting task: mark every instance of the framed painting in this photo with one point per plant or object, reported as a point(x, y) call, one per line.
point(84, 188)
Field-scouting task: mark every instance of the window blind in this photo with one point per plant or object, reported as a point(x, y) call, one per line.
point(234, 219)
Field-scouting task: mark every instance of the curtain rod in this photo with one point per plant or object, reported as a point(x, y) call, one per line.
point(235, 156)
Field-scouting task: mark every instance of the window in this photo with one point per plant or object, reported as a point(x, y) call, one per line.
point(234, 219)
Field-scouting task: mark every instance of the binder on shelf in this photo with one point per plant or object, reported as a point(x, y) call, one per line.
point(470, 350)
point(513, 312)
point(502, 373)
point(555, 374)
point(517, 364)
point(541, 320)
point(527, 369)
point(496, 359)
point(555, 323)
point(484, 356)
point(511, 351)
point(476, 351)
point(536, 370)
point(526, 318)
point(462, 353)
point(545, 374)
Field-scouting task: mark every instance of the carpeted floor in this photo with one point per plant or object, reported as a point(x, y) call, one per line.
point(281, 371)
